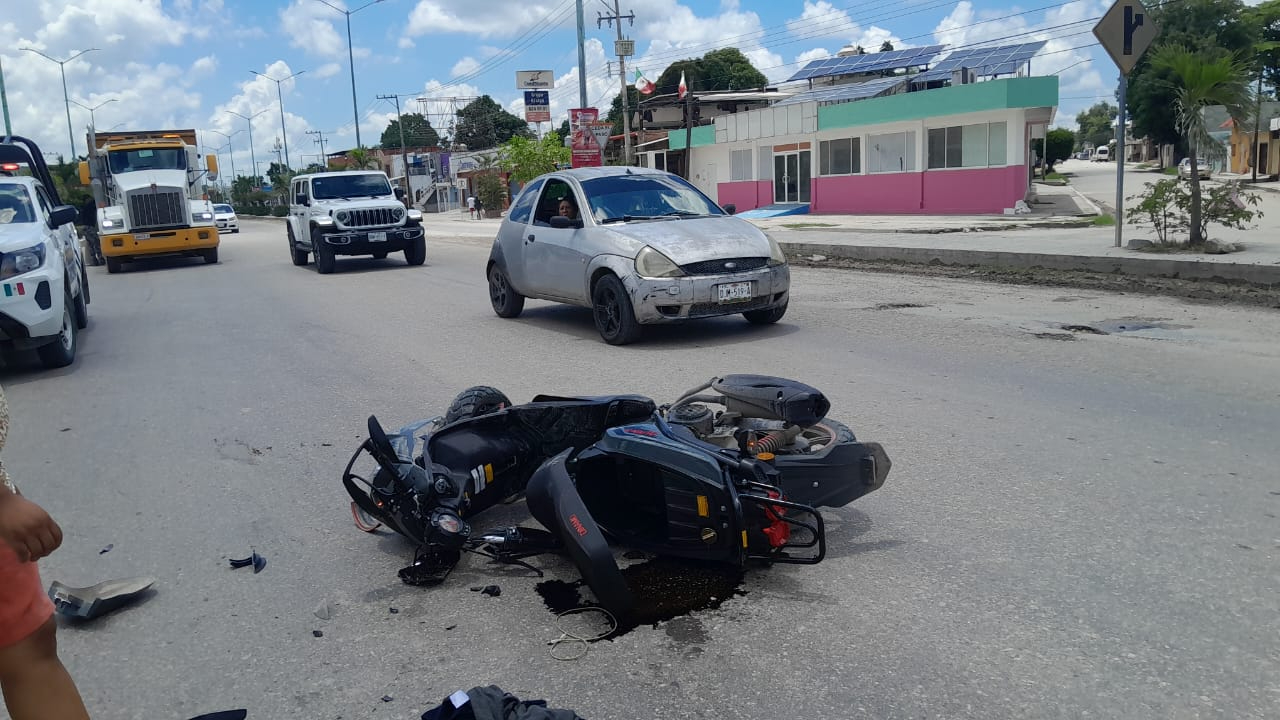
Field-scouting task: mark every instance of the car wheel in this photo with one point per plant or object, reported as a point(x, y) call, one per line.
point(113, 265)
point(416, 253)
point(766, 317)
point(325, 260)
point(506, 301)
point(237, 231)
point(615, 318)
point(474, 402)
point(82, 305)
point(211, 256)
point(61, 352)
point(298, 255)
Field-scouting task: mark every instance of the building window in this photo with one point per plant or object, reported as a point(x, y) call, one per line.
point(840, 157)
point(740, 165)
point(965, 146)
point(893, 152)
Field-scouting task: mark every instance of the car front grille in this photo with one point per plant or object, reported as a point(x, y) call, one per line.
point(373, 217)
point(163, 208)
point(720, 267)
point(708, 309)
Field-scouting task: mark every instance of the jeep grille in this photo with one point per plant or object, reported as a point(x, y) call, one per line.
point(163, 208)
point(371, 217)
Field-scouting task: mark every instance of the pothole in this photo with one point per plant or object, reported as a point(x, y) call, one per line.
point(1084, 329)
point(898, 306)
point(1054, 336)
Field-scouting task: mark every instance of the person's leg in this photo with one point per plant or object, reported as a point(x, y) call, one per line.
point(36, 684)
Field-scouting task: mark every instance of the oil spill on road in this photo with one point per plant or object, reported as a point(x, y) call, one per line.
point(664, 588)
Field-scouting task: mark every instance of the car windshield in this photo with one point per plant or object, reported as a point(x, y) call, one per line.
point(645, 196)
point(223, 209)
point(348, 186)
point(123, 161)
point(15, 204)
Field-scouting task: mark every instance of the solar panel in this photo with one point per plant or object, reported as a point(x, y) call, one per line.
point(845, 93)
point(871, 62)
point(1001, 60)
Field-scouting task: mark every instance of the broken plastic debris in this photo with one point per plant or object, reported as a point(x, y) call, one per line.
point(394, 610)
point(317, 633)
point(451, 627)
point(224, 715)
point(322, 611)
point(387, 698)
point(97, 600)
point(106, 549)
point(257, 561)
point(490, 590)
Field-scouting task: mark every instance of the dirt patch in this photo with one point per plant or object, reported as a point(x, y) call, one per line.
point(898, 306)
point(1203, 290)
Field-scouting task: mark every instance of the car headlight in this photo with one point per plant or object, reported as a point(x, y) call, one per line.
point(776, 256)
point(204, 216)
point(343, 215)
point(653, 264)
point(22, 261)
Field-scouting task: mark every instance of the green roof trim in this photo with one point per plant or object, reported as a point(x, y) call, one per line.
point(1026, 92)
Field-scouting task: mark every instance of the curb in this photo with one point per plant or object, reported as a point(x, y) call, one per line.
point(1140, 267)
point(1011, 226)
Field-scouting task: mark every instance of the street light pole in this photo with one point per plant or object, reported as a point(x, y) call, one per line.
point(284, 133)
point(93, 124)
point(62, 66)
point(231, 151)
point(252, 157)
point(351, 59)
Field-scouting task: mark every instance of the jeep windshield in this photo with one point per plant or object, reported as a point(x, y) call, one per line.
point(336, 187)
point(15, 204)
point(138, 159)
point(621, 198)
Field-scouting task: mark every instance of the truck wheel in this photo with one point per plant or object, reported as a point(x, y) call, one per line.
point(416, 253)
point(113, 265)
point(211, 256)
point(474, 402)
point(298, 254)
point(325, 261)
point(62, 351)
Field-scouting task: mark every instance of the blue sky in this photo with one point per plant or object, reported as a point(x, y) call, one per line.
point(187, 63)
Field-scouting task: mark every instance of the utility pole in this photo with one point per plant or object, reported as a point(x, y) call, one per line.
point(623, 48)
point(1257, 126)
point(582, 59)
point(404, 154)
point(324, 157)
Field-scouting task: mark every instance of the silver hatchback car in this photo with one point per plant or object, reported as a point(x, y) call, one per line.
point(639, 247)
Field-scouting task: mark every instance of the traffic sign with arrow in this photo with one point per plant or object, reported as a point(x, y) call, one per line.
point(1126, 31)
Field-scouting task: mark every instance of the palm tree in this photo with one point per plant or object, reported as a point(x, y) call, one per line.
point(362, 159)
point(1201, 79)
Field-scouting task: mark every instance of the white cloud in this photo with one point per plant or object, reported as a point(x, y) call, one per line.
point(464, 66)
point(310, 27)
point(204, 65)
point(485, 18)
point(406, 43)
point(822, 20)
point(328, 70)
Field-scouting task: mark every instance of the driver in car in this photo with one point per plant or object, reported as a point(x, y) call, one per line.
point(568, 209)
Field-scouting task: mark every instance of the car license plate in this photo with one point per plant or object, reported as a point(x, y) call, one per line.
point(142, 236)
point(734, 292)
point(378, 237)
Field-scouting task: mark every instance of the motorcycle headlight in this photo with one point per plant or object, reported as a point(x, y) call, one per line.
point(449, 523)
point(343, 215)
point(653, 264)
point(776, 256)
point(22, 261)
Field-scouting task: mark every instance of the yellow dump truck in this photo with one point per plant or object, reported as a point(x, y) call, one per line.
point(152, 195)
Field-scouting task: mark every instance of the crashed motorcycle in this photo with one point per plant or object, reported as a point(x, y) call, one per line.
point(733, 472)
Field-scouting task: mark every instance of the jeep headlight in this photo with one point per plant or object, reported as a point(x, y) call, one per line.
point(343, 215)
point(399, 214)
point(22, 261)
point(776, 256)
point(653, 264)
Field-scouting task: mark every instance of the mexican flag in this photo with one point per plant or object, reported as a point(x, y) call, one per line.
point(643, 86)
point(683, 87)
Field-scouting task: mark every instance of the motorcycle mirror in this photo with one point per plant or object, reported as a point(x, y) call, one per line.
point(381, 443)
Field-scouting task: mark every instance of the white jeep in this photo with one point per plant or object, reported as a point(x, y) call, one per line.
point(351, 213)
point(44, 290)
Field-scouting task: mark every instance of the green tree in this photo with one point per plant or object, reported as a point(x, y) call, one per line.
point(484, 124)
point(1266, 17)
point(1217, 28)
point(362, 159)
point(615, 110)
point(723, 69)
point(1095, 125)
point(886, 46)
point(525, 159)
point(1199, 79)
point(564, 129)
point(1061, 142)
point(417, 133)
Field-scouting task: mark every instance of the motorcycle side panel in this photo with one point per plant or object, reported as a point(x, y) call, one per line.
point(554, 501)
point(772, 398)
point(835, 478)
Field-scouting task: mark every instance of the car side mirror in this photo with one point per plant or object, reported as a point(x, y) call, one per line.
point(62, 215)
point(399, 193)
point(300, 200)
point(731, 208)
point(561, 222)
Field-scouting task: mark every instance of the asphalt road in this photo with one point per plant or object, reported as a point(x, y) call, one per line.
point(1072, 528)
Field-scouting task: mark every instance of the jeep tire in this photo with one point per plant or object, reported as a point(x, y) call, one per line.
point(325, 260)
point(298, 254)
point(416, 252)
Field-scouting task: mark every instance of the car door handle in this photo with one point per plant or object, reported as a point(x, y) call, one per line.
point(530, 238)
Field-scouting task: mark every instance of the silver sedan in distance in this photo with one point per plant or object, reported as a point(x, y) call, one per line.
point(639, 247)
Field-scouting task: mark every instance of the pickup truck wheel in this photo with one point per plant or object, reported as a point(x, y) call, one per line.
point(298, 255)
point(211, 256)
point(113, 265)
point(416, 253)
point(62, 351)
point(325, 260)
